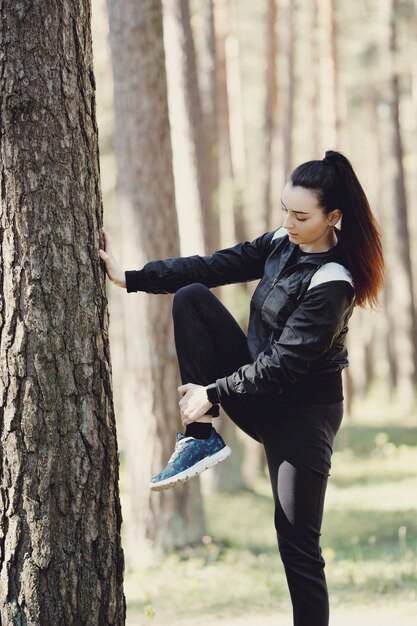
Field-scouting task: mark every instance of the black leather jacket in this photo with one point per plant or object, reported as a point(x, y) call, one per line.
point(299, 313)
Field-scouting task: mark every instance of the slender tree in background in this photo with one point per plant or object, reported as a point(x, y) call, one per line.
point(227, 476)
point(187, 128)
point(208, 81)
point(149, 226)
point(228, 234)
point(236, 123)
point(312, 76)
point(403, 301)
point(288, 10)
point(61, 560)
point(331, 115)
point(270, 108)
point(195, 112)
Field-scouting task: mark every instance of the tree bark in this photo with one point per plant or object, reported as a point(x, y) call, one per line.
point(149, 224)
point(61, 560)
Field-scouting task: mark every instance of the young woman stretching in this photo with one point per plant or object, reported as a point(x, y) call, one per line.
point(281, 384)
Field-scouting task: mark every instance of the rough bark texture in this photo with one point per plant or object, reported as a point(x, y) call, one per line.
point(61, 560)
point(146, 197)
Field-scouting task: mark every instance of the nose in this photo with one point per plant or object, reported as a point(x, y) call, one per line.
point(288, 223)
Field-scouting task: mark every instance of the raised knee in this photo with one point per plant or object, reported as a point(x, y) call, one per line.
point(189, 293)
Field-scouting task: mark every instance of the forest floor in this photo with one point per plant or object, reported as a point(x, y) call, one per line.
point(400, 615)
point(369, 542)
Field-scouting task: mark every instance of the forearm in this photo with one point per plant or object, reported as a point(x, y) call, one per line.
point(240, 263)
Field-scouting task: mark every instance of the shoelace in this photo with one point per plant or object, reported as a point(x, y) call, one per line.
point(179, 448)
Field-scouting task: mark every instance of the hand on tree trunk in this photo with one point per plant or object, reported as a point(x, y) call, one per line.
point(114, 272)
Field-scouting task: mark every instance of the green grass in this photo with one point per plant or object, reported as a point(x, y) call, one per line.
point(369, 538)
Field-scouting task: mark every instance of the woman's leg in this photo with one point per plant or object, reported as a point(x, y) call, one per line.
point(298, 446)
point(210, 344)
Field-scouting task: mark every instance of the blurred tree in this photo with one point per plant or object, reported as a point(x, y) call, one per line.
point(375, 159)
point(227, 476)
point(288, 12)
point(195, 112)
point(311, 76)
point(231, 151)
point(187, 128)
point(149, 223)
point(270, 110)
point(209, 105)
point(403, 300)
point(61, 559)
point(236, 124)
point(331, 114)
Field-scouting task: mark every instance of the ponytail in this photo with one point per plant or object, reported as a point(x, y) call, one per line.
point(337, 187)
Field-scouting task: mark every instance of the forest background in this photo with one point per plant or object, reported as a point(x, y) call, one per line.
point(203, 108)
point(293, 79)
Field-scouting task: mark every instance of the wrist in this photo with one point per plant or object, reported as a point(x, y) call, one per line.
point(120, 281)
point(212, 394)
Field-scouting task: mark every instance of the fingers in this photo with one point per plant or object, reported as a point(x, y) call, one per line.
point(186, 420)
point(182, 389)
point(106, 238)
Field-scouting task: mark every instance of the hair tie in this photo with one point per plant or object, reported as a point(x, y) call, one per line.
point(330, 157)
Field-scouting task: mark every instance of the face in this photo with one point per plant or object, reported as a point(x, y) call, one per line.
point(305, 220)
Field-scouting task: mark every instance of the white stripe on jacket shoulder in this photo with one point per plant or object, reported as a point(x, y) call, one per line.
point(329, 272)
point(281, 232)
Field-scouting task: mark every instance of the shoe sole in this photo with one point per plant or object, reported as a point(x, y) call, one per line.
point(196, 469)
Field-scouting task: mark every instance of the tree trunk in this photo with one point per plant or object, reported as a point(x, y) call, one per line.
point(61, 559)
point(331, 115)
point(149, 223)
point(270, 109)
point(403, 305)
point(288, 121)
point(195, 111)
point(187, 131)
point(312, 78)
point(230, 126)
point(373, 140)
point(209, 106)
point(230, 476)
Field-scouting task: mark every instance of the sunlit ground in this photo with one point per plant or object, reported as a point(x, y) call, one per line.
point(369, 542)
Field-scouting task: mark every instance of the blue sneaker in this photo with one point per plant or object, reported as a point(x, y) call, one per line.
point(190, 457)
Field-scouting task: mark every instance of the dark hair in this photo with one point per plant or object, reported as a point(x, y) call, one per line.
point(337, 187)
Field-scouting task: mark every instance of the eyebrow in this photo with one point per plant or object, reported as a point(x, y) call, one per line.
point(302, 212)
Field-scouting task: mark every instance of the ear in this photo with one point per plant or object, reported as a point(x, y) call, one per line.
point(334, 216)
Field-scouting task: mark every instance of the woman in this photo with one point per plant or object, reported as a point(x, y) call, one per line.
point(282, 383)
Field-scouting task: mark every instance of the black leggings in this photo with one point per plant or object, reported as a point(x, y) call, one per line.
point(297, 438)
